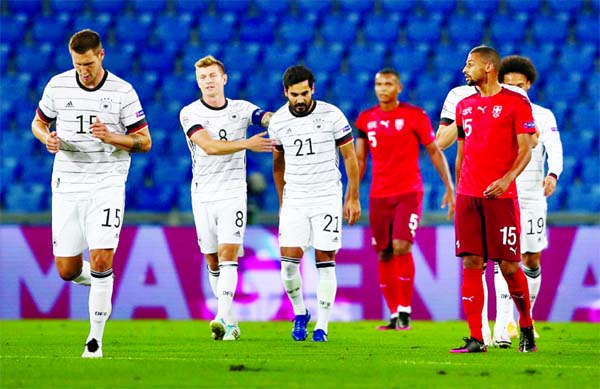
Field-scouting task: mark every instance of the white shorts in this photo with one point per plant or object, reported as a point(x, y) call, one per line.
point(81, 221)
point(533, 227)
point(219, 222)
point(319, 226)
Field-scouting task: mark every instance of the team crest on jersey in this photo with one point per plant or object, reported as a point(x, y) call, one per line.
point(467, 111)
point(105, 104)
point(496, 111)
point(234, 116)
point(399, 124)
point(318, 124)
point(371, 125)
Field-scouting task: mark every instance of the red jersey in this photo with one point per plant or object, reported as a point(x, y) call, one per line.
point(394, 138)
point(489, 127)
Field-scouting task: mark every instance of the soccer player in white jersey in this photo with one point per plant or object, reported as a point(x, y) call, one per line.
point(308, 134)
point(533, 186)
point(445, 137)
point(215, 127)
point(99, 122)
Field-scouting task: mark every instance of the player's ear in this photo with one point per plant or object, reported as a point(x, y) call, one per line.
point(225, 79)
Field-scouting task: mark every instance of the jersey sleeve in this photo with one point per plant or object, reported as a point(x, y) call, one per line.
point(448, 114)
point(342, 132)
point(272, 131)
point(423, 129)
point(46, 109)
point(189, 122)
point(552, 144)
point(523, 120)
point(132, 114)
point(460, 132)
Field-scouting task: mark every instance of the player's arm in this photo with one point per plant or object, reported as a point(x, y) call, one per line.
point(258, 143)
point(459, 159)
point(266, 119)
point(41, 130)
point(500, 186)
point(446, 133)
point(362, 149)
point(554, 150)
point(279, 171)
point(441, 165)
point(351, 200)
point(137, 142)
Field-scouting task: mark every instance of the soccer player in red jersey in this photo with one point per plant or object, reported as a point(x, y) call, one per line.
point(392, 132)
point(495, 136)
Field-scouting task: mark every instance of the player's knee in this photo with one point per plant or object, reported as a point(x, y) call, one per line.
point(101, 260)
point(68, 273)
point(385, 256)
point(401, 247)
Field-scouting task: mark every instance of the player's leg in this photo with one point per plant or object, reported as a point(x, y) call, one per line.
point(100, 299)
point(212, 264)
point(469, 243)
point(504, 310)
point(485, 324)
point(294, 234)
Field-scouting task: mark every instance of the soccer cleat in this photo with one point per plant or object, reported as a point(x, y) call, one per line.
point(511, 328)
point(232, 332)
point(527, 342)
point(217, 328)
point(299, 332)
point(502, 340)
point(319, 336)
point(403, 322)
point(471, 345)
point(391, 326)
point(92, 349)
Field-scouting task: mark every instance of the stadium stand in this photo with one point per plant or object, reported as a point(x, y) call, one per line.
point(154, 45)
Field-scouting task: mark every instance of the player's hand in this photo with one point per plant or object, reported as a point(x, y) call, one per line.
point(449, 201)
point(352, 211)
point(496, 188)
point(52, 142)
point(549, 185)
point(100, 131)
point(260, 143)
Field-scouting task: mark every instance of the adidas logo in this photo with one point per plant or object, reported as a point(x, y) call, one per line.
point(289, 131)
point(237, 233)
point(69, 104)
point(335, 239)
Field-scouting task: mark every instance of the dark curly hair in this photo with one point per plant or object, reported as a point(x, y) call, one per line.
point(517, 64)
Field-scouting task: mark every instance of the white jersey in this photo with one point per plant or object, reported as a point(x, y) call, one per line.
point(84, 163)
point(530, 181)
point(448, 114)
point(219, 177)
point(310, 143)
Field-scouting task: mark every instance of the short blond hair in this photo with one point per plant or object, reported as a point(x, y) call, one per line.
point(209, 60)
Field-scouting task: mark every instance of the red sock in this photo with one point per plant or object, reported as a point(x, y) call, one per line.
point(388, 284)
point(519, 291)
point(405, 272)
point(472, 300)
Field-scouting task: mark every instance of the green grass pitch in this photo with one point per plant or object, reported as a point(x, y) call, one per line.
point(174, 354)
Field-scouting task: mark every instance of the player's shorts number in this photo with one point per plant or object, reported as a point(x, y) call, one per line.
point(239, 218)
point(116, 218)
point(413, 223)
point(539, 229)
point(330, 220)
point(509, 235)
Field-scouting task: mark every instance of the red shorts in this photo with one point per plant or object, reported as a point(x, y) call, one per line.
point(394, 217)
point(488, 228)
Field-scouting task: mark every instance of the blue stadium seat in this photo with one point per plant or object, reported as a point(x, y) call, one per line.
point(33, 59)
point(280, 56)
point(113, 7)
point(423, 29)
point(530, 6)
point(542, 55)
point(193, 7)
point(159, 58)
point(153, 199)
point(321, 7)
point(238, 7)
point(184, 198)
point(340, 28)
point(241, 57)
point(138, 170)
point(351, 86)
point(487, 7)
point(13, 28)
point(273, 7)
point(593, 87)
point(258, 29)
point(9, 171)
point(29, 7)
point(134, 29)
point(572, 7)
point(581, 198)
point(384, 28)
point(563, 86)
point(411, 58)
point(217, 28)
point(15, 87)
point(37, 170)
point(172, 170)
point(508, 28)
point(264, 88)
point(99, 22)
point(582, 54)
point(179, 88)
point(550, 28)
point(395, 6)
point(173, 29)
point(145, 84)
point(446, 7)
point(586, 29)
point(556, 200)
point(5, 53)
point(366, 57)
point(300, 30)
point(25, 198)
point(585, 115)
point(158, 115)
point(363, 7)
point(450, 58)
point(154, 6)
point(72, 7)
point(324, 57)
point(193, 52)
point(119, 59)
point(467, 29)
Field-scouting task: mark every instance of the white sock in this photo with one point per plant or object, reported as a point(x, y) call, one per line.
point(402, 308)
point(213, 279)
point(100, 304)
point(226, 290)
point(325, 293)
point(292, 282)
point(485, 324)
point(85, 277)
point(534, 281)
point(504, 303)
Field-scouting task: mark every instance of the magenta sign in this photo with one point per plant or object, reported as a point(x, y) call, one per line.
point(160, 273)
